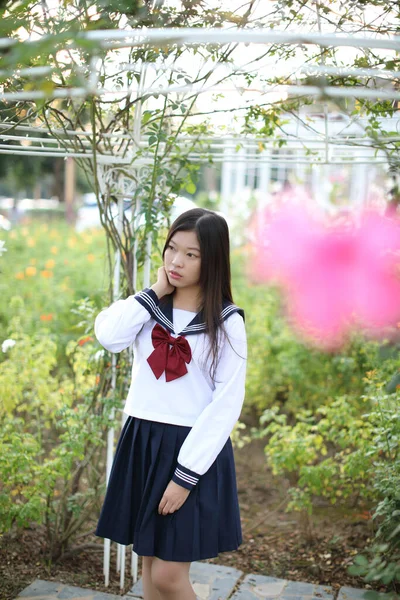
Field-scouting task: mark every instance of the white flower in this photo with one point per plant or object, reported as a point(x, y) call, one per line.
point(2, 247)
point(7, 344)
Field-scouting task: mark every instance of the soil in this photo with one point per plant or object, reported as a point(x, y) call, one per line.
point(275, 543)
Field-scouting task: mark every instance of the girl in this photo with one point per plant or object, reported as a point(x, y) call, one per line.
point(172, 490)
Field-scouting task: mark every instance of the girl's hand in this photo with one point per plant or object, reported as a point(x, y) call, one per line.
point(173, 498)
point(162, 287)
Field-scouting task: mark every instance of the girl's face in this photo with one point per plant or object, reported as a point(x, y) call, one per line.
point(182, 259)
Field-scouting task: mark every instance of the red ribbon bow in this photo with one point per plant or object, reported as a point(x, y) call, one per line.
point(171, 360)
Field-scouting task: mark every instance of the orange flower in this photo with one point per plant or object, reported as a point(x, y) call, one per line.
point(30, 271)
point(97, 380)
point(54, 250)
point(366, 514)
point(46, 273)
point(20, 275)
point(50, 263)
point(48, 317)
point(91, 257)
point(85, 340)
point(31, 242)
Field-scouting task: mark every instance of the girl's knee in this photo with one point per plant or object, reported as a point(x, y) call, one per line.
point(169, 577)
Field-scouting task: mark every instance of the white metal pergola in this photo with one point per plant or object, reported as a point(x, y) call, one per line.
point(347, 144)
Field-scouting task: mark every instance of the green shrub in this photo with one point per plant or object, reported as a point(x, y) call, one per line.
point(53, 427)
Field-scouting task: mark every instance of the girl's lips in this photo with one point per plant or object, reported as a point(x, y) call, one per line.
point(175, 275)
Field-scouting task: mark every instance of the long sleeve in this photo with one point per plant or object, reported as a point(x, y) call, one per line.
point(214, 425)
point(117, 326)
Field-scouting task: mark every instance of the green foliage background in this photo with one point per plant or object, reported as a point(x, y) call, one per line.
point(329, 421)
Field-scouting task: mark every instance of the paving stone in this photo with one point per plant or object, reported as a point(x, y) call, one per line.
point(299, 588)
point(257, 587)
point(72, 591)
point(221, 580)
point(41, 589)
point(349, 593)
point(210, 582)
point(52, 590)
point(322, 592)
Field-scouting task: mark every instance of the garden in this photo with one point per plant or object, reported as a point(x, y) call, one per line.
point(311, 507)
point(146, 121)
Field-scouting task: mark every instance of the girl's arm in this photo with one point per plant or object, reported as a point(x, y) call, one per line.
point(117, 326)
point(214, 425)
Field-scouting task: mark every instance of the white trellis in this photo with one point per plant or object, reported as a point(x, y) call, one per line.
point(351, 146)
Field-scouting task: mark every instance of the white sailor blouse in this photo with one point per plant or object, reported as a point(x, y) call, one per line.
point(171, 382)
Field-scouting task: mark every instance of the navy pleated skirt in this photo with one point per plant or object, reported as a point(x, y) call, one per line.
point(145, 459)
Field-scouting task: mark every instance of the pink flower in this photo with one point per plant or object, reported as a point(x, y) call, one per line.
point(337, 275)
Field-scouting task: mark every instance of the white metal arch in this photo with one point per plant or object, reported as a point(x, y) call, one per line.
point(329, 148)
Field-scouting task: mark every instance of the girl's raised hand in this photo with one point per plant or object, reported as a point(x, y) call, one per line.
point(162, 287)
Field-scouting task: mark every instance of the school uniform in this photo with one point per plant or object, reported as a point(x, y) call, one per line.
point(178, 427)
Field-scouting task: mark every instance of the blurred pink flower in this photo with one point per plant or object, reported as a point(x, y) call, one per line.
point(337, 274)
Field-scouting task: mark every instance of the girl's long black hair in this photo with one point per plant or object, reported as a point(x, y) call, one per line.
point(215, 271)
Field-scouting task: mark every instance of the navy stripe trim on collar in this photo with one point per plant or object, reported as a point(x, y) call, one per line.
point(162, 312)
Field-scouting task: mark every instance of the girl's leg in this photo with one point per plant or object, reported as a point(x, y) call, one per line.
point(149, 591)
point(171, 579)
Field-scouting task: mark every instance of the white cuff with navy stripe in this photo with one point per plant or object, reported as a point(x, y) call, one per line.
point(184, 477)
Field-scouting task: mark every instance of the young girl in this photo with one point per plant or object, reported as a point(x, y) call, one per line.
point(172, 490)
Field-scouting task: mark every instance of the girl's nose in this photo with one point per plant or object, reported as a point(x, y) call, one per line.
point(177, 260)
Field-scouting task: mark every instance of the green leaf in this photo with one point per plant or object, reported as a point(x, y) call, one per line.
point(190, 187)
point(146, 117)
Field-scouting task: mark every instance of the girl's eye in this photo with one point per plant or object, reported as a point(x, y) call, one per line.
point(171, 247)
point(190, 254)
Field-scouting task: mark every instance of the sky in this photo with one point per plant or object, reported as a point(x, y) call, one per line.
point(236, 93)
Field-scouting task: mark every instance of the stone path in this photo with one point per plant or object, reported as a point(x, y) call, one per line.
point(211, 582)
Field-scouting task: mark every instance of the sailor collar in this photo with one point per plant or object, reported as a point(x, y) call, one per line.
point(161, 311)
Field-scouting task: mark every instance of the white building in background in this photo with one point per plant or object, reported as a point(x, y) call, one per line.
point(331, 158)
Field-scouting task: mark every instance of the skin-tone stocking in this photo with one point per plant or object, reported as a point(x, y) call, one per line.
point(149, 590)
point(171, 580)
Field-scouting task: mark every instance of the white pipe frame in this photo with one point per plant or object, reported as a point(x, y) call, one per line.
point(121, 38)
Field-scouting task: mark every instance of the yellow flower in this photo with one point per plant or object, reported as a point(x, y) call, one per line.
point(13, 235)
point(46, 273)
point(53, 234)
point(20, 275)
point(24, 231)
point(44, 227)
point(33, 261)
point(54, 250)
point(31, 242)
point(71, 243)
point(91, 257)
point(50, 263)
point(30, 271)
